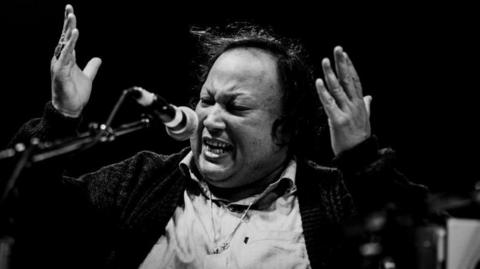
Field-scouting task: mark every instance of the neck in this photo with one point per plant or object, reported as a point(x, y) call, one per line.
point(234, 194)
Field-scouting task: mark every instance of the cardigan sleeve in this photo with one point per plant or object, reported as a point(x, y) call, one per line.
point(371, 177)
point(50, 127)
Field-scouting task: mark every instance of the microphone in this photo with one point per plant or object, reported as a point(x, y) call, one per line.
point(180, 122)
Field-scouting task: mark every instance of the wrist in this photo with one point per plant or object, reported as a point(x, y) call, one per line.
point(346, 144)
point(66, 112)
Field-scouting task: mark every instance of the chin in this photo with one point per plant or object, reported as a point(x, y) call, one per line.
point(214, 174)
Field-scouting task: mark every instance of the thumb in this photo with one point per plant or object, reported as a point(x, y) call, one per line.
point(52, 63)
point(368, 100)
point(91, 68)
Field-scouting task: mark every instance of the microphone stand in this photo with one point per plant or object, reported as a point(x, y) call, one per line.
point(97, 133)
point(37, 152)
point(48, 151)
point(86, 140)
point(23, 161)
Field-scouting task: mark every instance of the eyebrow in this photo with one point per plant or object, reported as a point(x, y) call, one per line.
point(231, 94)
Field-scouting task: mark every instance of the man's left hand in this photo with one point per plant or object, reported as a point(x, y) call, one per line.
point(347, 109)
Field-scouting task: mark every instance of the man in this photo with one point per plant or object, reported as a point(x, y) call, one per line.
point(244, 195)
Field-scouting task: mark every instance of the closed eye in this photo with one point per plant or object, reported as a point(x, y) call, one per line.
point(235, 108)
point(207, 101)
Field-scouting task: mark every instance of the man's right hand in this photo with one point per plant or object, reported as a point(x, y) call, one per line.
point(71, 86)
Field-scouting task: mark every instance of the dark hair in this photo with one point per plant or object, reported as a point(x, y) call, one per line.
point(302, 118)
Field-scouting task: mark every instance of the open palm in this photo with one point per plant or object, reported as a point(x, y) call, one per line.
point(71, 86)
point(342, 98)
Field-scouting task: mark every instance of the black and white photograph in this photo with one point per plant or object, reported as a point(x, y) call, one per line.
point(141, 134)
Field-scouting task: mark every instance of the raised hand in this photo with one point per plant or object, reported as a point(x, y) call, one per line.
point(71, 86)
point(342, 98)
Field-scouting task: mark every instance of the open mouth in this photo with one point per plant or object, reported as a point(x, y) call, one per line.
point(216, 146)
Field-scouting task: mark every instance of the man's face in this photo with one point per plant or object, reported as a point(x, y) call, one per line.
point(239, 103)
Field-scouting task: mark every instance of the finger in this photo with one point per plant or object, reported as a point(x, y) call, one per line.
point(328, 102)
point(72, 24)
point(68, 10)
point(67, 54)
point(338, 61)
point(66, 30)
point(368, 100)
point(343, 72)
point(354, 76)
point(334, 87)
point(91, 68)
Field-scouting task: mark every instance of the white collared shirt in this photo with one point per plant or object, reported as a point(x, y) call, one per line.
point(271, 237)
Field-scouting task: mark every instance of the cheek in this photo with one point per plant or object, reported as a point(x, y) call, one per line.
point(195, 140)
point(252, 138)
point(194, 143)
point(201, 113)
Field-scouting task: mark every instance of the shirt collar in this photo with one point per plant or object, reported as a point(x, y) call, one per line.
point(288, 175)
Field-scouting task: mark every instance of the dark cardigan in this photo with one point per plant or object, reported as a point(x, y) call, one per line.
point(134, 199)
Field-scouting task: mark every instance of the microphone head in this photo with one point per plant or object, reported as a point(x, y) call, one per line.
point(181, 128)
point(190, 128)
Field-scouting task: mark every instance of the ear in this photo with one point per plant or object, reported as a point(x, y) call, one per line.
point(281, 134)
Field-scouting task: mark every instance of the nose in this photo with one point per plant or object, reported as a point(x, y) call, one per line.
point(214, 120)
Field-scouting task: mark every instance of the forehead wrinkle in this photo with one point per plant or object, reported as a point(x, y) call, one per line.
point(237, 81)
point(231, 94)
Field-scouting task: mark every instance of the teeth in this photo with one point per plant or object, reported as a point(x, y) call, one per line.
point(216, 144)
point(215, 150)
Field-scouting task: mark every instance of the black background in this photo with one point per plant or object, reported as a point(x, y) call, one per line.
point(419, 62)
